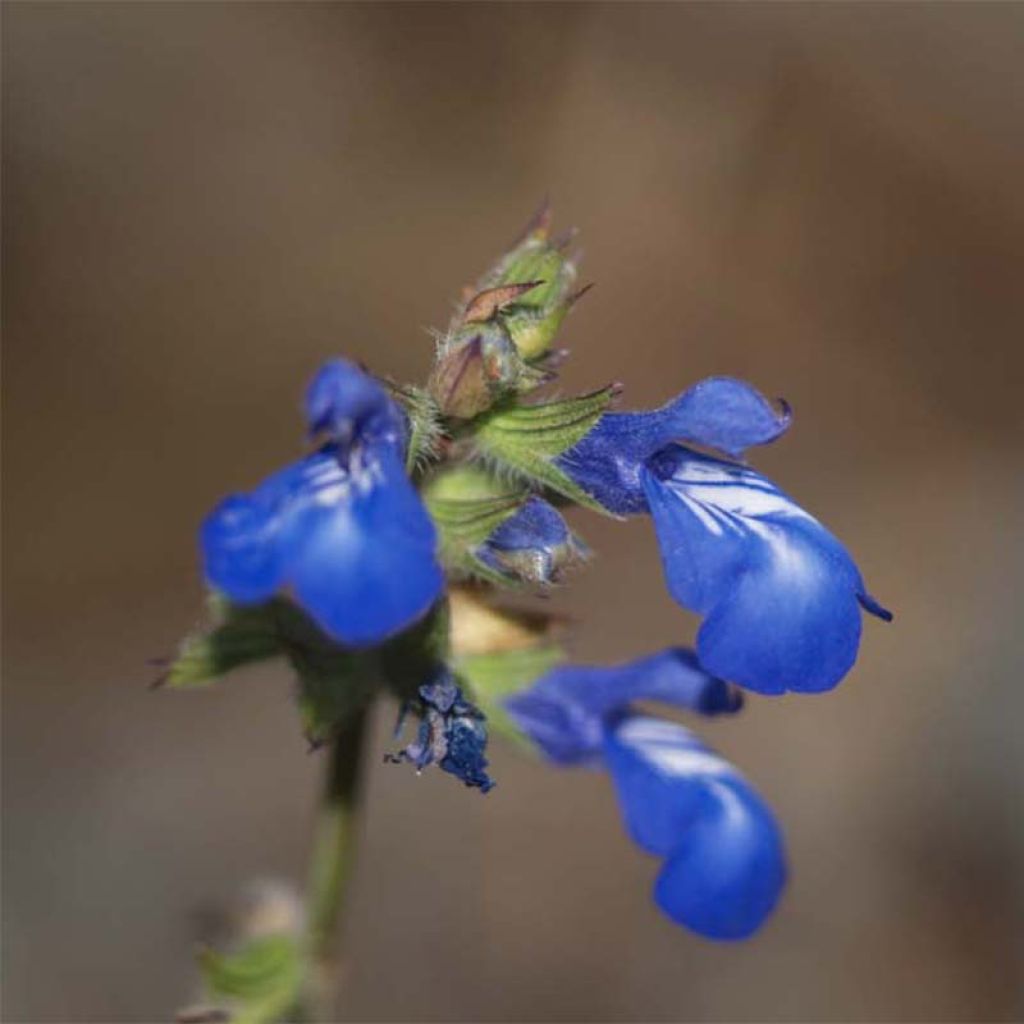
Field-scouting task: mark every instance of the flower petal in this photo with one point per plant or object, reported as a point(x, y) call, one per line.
point(779, 592)
point(240, 553)
point(725, 414)
point(565, 711)
point(725, 867)
point(347, 404)
point(356, 543)
point(359, 550)
point(720, 412)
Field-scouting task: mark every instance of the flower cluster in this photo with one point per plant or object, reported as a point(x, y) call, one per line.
point(417, 505)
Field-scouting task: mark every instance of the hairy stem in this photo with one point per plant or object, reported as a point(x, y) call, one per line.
point(331, 864)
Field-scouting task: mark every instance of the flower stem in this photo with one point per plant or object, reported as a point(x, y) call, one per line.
point(331, 864)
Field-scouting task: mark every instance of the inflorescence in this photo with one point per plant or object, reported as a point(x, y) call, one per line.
point(376, 560)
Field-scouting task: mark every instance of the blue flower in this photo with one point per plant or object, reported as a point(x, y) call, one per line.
point(452, 734)
point(781, 595)
point(724, 862)
point(720, 412)
point(349, 406)
point(565, 711)
point(344, 527)
point(534, 545)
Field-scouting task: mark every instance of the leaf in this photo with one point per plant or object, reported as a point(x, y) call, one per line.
point(261, 980)
point(240, 635)
point(527, 439)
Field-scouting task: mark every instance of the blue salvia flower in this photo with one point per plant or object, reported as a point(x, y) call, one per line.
point(343, 528)
point(781, 595)
point(565, 711)
point(724, 862)
point(720, 412)
point(345, 533)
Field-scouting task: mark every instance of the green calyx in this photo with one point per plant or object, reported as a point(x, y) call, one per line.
point(334, 681)
point(526, 440)
point(467, 505)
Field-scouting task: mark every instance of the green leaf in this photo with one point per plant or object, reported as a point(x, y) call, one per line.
point(492, 677)
point(260, 981)
point(239, 636)
point(526, 440)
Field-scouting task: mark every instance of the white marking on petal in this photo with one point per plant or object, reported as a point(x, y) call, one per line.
point(704, 515)
point(671, 749)
point(732, 490)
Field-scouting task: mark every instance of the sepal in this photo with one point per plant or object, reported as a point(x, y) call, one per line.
point(477, 366)
point(467, 506)
point(425, 429)
point(238, 635)
point(526, 440)
point(497, 532)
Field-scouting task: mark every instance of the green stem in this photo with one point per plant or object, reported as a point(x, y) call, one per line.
point(331, 864)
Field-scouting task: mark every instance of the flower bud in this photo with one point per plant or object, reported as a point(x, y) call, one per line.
point(533, 318)
point(535, 545)
point(479, 366)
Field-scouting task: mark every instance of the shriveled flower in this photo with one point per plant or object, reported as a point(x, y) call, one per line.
point(451, 734)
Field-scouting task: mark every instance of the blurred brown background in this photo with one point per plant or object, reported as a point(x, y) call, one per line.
point(202, 201)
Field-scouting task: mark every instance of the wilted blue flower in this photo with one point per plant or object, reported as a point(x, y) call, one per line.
point(452, 735)
point(724, 860)
point(344, 528)
point(781, 594)
point(535, 544)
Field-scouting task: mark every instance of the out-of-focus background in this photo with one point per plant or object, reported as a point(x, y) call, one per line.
point(201, 202)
